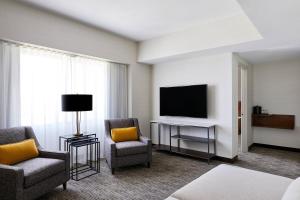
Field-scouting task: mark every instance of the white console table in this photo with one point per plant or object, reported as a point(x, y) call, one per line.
point(209, 140)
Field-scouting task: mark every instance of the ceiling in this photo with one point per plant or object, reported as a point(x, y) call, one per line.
point(278, 22)
point(141, 19)
point(271, 55)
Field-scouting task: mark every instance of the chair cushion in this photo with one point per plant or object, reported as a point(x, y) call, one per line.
point(39, 169)
point(120, 123)
point(17, 152)
point(130, 148)
point(12, 135)
point(124, 134)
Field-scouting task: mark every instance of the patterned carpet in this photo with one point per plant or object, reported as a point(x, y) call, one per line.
point(167, 174)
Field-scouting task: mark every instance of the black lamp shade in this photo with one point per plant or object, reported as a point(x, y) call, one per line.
point(76, 102)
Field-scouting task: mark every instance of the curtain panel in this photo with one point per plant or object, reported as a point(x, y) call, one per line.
point(117, 97)
point(9, 85)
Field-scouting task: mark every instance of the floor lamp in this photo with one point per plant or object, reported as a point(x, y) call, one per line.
point(77, 103)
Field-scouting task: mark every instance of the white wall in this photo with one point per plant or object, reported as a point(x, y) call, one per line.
point(276, 87)
point(22, 23)
point(216, 71)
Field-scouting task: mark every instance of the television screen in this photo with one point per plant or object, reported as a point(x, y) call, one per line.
point(187, 101)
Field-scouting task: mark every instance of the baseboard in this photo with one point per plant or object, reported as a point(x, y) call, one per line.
point(227, 160)
point(192, 153)
point(250, 146)
point(274, 147)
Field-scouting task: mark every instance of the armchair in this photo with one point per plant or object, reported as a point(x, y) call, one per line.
point(126, 153)
point(32, 178)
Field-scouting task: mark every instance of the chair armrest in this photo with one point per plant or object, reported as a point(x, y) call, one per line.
point(62, 155)
point(148, 142)
point(110, 145)
point(145, 140)
point(11, 182)
point(110, 152)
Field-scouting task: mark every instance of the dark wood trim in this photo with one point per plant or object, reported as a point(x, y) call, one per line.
point(274, 147)
point(274, 121)
point(191, 153)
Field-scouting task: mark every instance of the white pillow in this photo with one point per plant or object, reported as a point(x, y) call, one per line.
point(293, 191)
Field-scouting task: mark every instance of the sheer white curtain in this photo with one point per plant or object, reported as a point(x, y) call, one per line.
point(89, 77)
point(9, 85)
point(45, 76)
point(117, 98)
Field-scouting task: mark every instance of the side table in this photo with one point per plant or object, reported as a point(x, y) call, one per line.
point(73, 144)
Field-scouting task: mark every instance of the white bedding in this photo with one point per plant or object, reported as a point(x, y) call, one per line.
point(227, 182)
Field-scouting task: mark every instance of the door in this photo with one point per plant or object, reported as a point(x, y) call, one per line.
point(244, 109)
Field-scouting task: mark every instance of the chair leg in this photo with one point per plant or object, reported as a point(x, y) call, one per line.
point(65, 186)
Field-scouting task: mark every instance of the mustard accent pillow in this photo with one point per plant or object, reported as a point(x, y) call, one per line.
point(124, 134)
point(17, 152)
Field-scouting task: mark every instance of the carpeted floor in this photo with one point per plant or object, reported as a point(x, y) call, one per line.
point(167, 174)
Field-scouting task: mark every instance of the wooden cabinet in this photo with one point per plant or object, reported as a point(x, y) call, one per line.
point(274, 121)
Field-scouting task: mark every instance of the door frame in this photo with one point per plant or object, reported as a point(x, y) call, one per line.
point(244, 108)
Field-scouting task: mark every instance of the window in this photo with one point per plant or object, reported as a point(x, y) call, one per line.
point(46, 75)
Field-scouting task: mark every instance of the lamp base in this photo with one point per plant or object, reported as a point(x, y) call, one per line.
point(78, 134)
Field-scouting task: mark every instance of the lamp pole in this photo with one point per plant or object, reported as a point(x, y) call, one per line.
point(77, 124)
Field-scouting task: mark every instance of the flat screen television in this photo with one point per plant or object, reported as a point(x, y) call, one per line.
point(186, 101)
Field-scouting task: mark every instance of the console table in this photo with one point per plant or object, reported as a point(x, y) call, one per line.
point(210, 140)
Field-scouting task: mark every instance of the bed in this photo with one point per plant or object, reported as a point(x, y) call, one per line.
point(226, 182)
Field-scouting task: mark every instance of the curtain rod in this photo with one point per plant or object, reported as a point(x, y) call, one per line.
point(23, 44)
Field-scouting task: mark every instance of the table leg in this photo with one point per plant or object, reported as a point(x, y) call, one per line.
point(215, 148)
point(72, 163)
point(76, 157)
point(170, 134)
point(159, 126)
point(59, 143)
point(208, 145)
point(98, 156)
point(65, 143)
point(87, 154)
point(95, 156)
point(150, 131)
point(91, 154)
point(178, 140)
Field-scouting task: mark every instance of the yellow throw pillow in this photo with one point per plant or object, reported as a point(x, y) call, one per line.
point(16, 152)
point(124, 134)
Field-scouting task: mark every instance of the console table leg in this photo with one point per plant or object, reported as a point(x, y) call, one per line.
point(208, 145)
point(178, 141)
point(170, 133)
point(150, 131)
point(159, 126)
point(215, 148)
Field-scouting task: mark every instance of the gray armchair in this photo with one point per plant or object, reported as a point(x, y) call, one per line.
point(32, 178)
point(126, 153)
